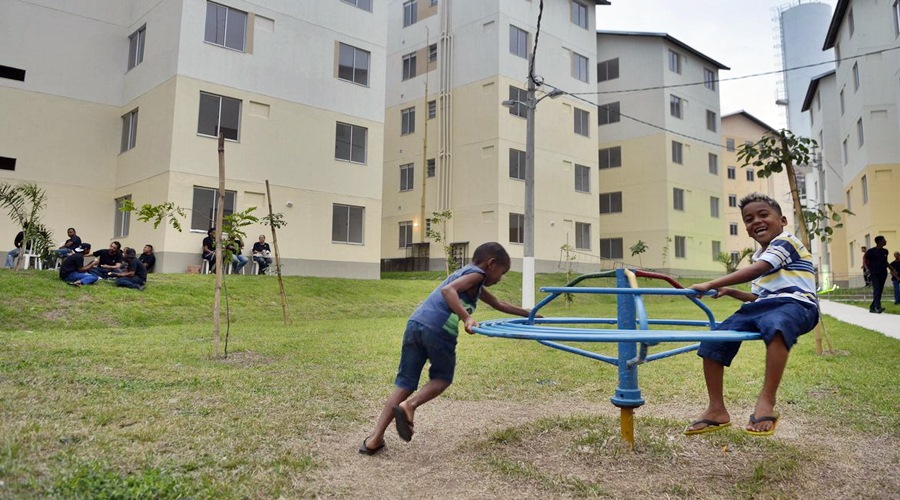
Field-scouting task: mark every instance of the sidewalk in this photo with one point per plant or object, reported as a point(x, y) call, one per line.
point(888, 324)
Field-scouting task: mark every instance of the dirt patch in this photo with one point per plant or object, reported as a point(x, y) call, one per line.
point(493, 449)
point(246, 359)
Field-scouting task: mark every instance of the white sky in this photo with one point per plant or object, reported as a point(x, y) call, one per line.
point(740, 34)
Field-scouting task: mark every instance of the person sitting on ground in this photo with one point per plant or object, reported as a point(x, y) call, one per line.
point(431, 335)
point(108, 260)
point(209, 249)
point(147, 258)
point(238, 260)
point(74, 271)
point(70, 245)
point(781, 305)
point(12, 254)
point(261, 253)
point(134, 275)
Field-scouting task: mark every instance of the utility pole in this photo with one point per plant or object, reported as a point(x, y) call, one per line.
point(422, 225)
point(528, 236)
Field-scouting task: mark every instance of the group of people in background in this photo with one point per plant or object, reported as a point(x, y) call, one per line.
point(125, 267)
point(876, 269)
point(260, 253)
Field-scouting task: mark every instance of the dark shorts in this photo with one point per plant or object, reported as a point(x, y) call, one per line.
point(788, 317)
point(420, 345)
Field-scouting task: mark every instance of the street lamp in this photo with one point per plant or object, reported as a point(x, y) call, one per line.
point(530, 105)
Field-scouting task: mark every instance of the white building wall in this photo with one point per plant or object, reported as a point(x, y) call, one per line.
point(803, 29)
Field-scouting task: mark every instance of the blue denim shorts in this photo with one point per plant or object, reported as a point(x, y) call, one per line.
point(791, 318)
point(420, 345)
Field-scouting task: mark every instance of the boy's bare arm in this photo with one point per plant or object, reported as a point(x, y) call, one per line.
point(502, 306)
point(744, 275)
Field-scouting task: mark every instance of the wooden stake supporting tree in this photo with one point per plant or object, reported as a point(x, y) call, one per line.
point(275, 221)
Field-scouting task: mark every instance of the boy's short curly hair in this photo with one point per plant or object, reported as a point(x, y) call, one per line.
point(488, 251)
point(755, 197)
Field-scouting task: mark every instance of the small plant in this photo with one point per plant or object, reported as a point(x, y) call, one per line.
point(731, 263)
point(637, 249)
point(665, 251)
point(440, 237)
point(569, 256)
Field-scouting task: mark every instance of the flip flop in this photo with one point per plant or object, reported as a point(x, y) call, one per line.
point(365, 450)
point(711, 426)
point(768, 418)
point(404, 426)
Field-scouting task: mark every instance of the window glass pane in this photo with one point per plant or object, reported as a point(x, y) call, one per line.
point(358, 145)
point(215, 24)
point(234, 29)
point(345, 62)
point(231, 118)
point(207, 123)
point(342, 142)
point(126, 132)
point(361, 72)
point(202, 215)
point(355, 234)
point(339, 219)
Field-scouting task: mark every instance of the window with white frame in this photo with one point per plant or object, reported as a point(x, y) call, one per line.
point(136, 46)
point(709, 79)
point(219, 114)
point(855, 77)
point(582, 179)
point(516, 228)
point(407, 177)
point(608, 113)
point(841, 101)
point(733, 229)
point(122, 219)
point(849, 199)
point(678, 199)
point(865, 189)
point(516, 164)
point(579, 14)
point(518, 42)
point(362, 4)
point(851, 24)
point(409, 66)
point(711, 121)
point(729, 144)
point(716, 249)
point(432, 109)
point(225, 26)
point(713, 163)
point(895, 13)
point(846, 152)
point(582, 236)
point(350, 142)
point(609, 69)
point(860, 136)
point(408, 121)
point(674, 61)
point(430, 167)
point(732, 200)
point(432, 52)
point(714, 207)
point(750, 175)
point(353, 64)
point(518, 97)
point(680, 247)
point(611, 248)
point(677, 152)
point(405, 230)
point(611, 203)
point(205, 204)
point(610, 157)
point(129, 130)
point(732, 173)
point(675, 106)
point(347, 223)
point(580, 67)
point(410, 12)
point(582, 122)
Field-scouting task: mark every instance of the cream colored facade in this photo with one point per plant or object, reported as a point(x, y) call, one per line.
point(63, 123)
point(738, 129)
point(867, 99)
point(471, 134)
point(672, 201)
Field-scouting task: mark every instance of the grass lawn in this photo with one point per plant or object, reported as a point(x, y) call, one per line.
point(114, 393)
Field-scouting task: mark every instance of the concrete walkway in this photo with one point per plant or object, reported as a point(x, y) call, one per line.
point(888, 324)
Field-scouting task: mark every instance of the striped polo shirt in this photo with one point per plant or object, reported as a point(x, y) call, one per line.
point(792, 274)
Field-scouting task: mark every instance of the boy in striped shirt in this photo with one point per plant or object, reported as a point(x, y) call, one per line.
point(781, 306)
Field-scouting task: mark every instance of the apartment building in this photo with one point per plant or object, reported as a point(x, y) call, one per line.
point(865, 36)
point(738, 129)
point(110, 100)
point(660, 153)
point(450, 144)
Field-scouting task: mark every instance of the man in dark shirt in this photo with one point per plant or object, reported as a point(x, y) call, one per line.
point(108, 260)
point(209, 249)
point(134, 275)
point(876, 261)
point(147, 258)
point(261, 254)
point(12, 254)
point(70, 245)
point(73, 269)
point(895, 276)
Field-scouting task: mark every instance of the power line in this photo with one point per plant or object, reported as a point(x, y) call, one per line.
point(537, 35)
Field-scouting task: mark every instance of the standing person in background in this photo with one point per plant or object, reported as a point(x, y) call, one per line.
point(261, 254)
point(877, 263)
point(865, 268)
point(147, 258)
point(895, 277)
point(12, 254)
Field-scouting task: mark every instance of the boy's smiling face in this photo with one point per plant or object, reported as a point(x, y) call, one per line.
point(763, 222)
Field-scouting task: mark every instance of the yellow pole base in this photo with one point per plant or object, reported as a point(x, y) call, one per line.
point(627, 423)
